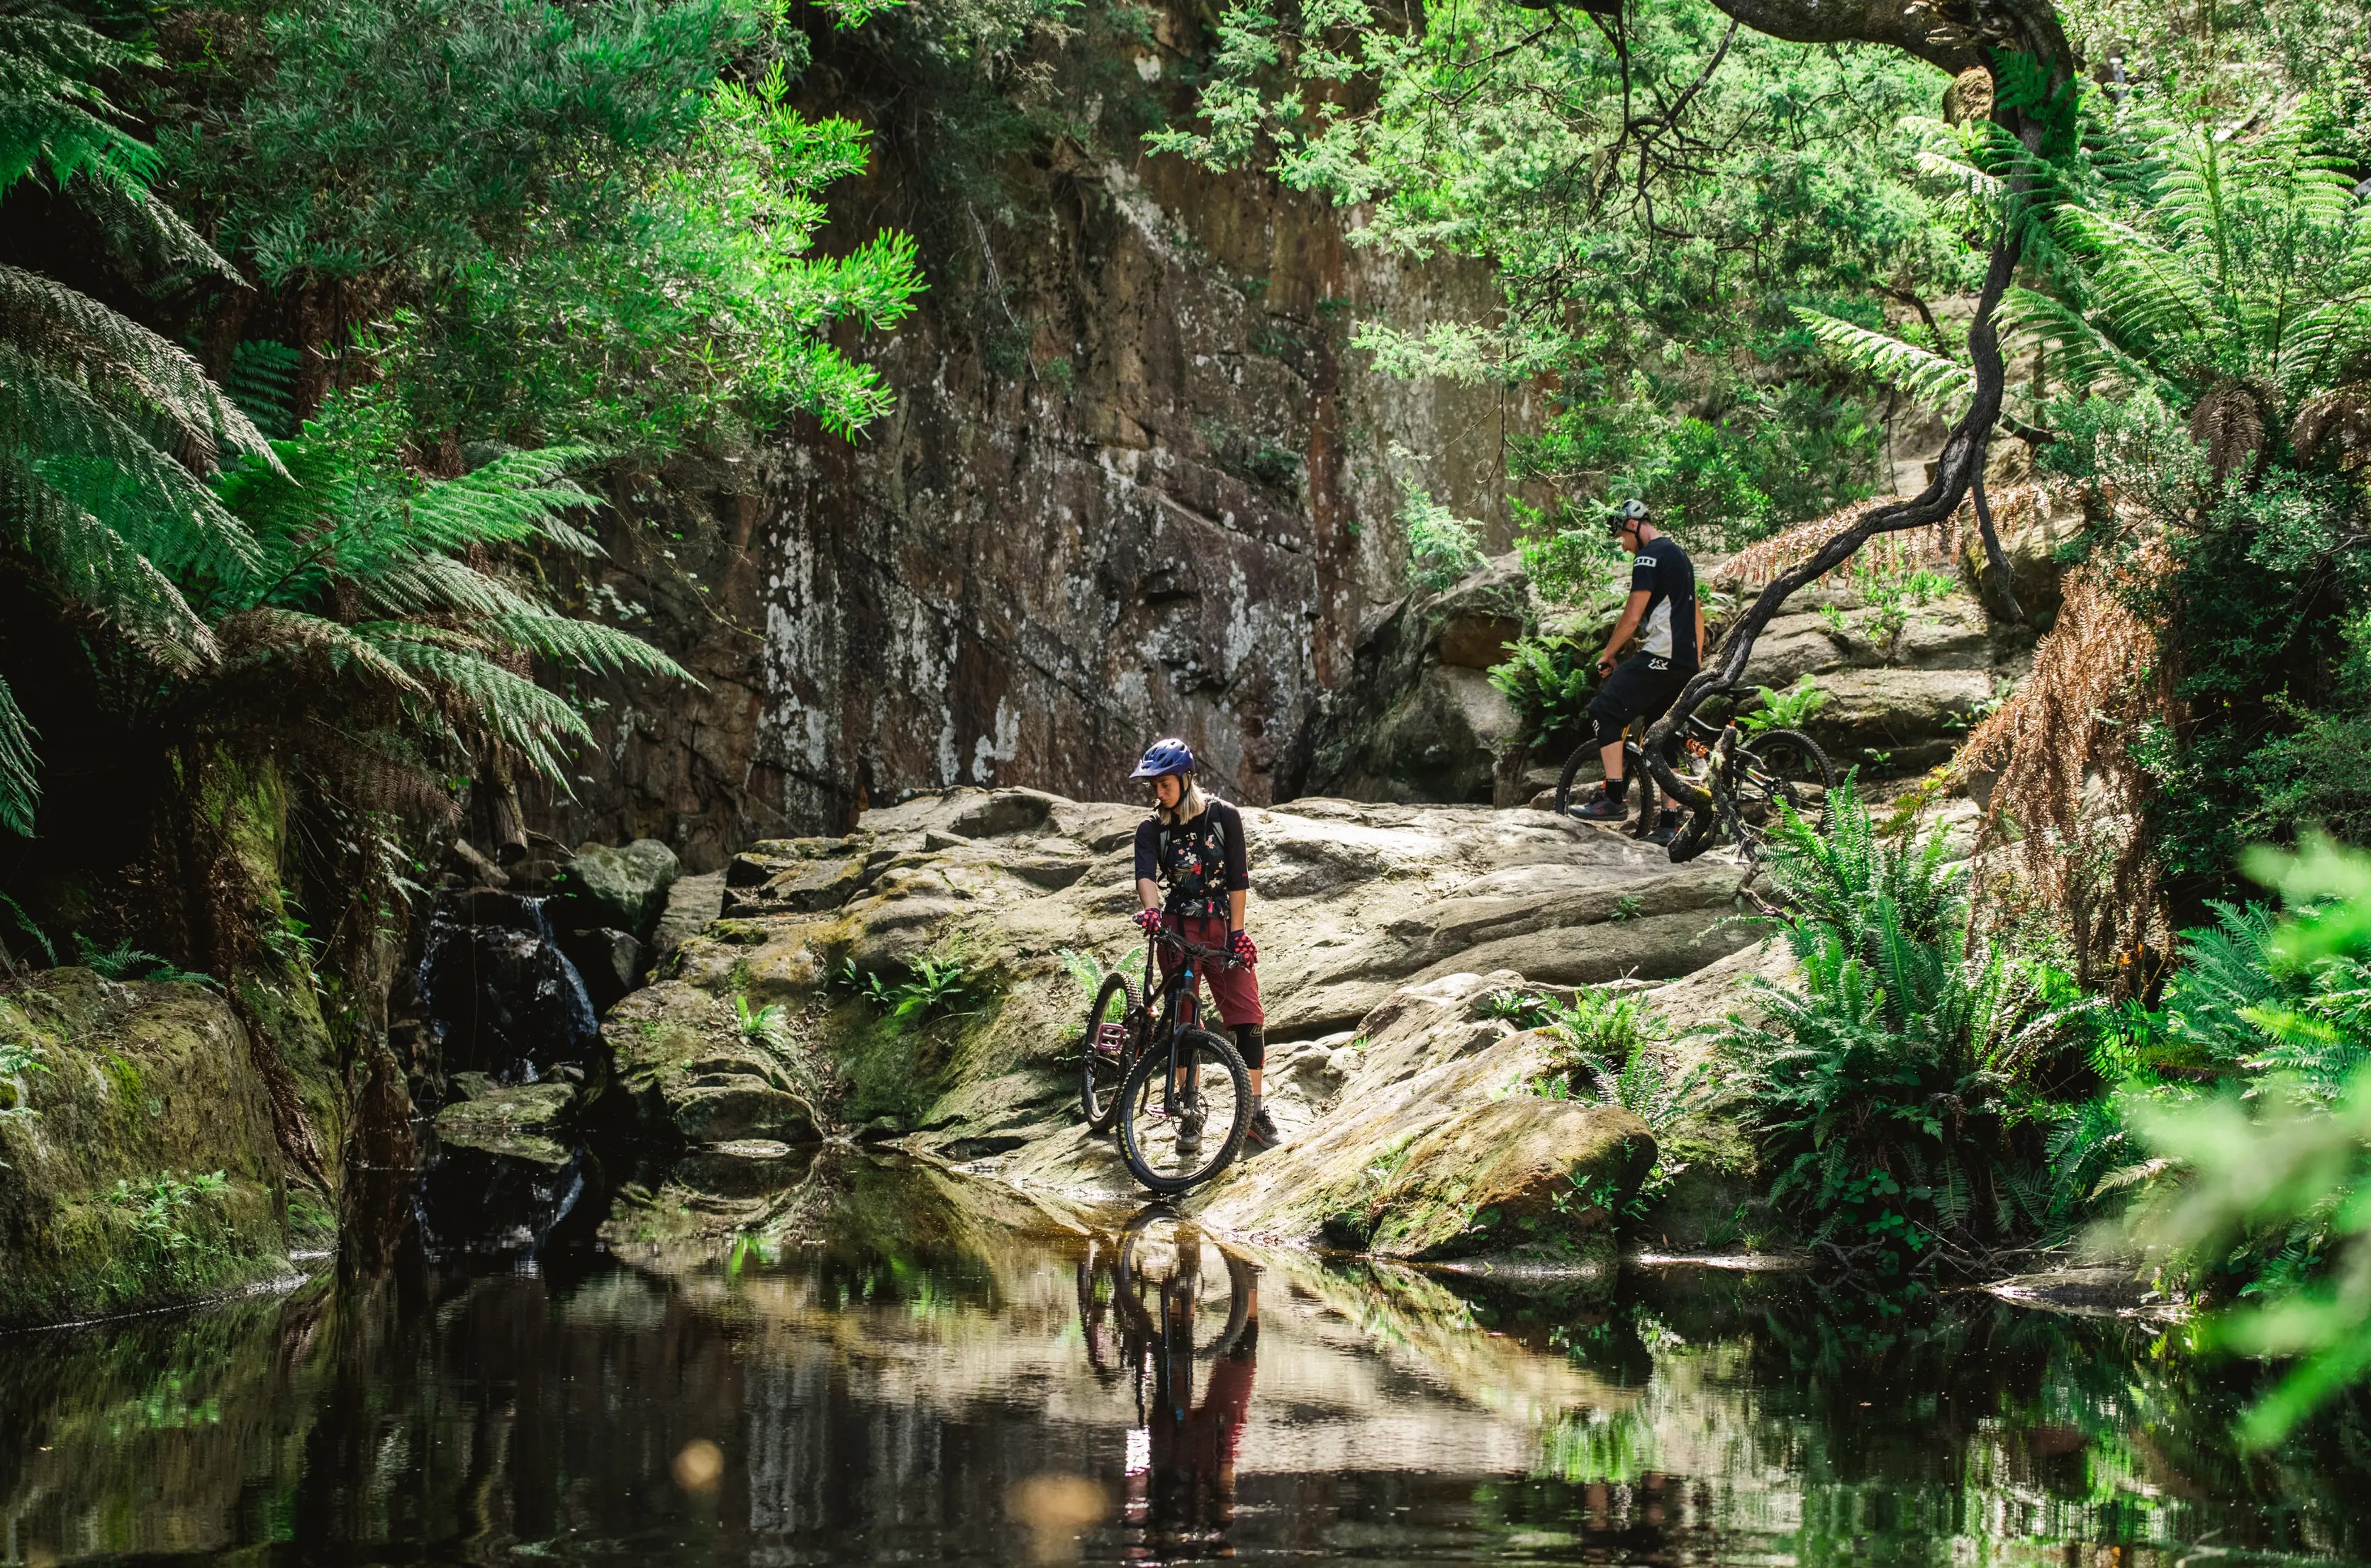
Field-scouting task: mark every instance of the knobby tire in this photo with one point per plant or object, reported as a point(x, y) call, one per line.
point(1141, 1095)
point(1100, 1075)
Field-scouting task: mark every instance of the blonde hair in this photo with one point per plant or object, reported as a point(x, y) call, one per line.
point(1190, 803)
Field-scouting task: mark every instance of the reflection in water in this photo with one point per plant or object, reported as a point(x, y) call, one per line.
point(873, 1362)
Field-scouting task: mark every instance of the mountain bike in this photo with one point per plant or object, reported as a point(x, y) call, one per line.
point(1178, 1094)
point(1747, 776)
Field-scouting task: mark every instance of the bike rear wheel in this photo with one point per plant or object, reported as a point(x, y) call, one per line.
point(1788, 765)
point(1209, 1093)
point(1114, 1023)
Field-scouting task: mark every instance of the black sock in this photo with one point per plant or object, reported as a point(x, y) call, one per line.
point(1617, 789)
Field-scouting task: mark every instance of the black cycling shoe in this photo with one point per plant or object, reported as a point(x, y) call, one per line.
point(1608, 806)
point(1666, 829)
point(1261, 1133)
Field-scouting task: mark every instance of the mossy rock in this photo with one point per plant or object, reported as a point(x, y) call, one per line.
point(108, 1202)
point(519, 1122)
point(1521, 1175)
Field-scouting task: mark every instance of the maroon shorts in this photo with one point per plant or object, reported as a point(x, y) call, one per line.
point(1234, 988)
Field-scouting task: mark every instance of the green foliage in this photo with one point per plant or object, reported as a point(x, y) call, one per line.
point(595, 222)
point(177, 1232)
point(934, 985)
point(1442, 546)
point(1788, 709)
point(1567, 564)
point(2275, 1175)
point(1887, 1091)
point(1550, 681)
point(769, 1025)
point(1648, 264)
point(125, 961)
point(1086, 972)
point(18, 1058)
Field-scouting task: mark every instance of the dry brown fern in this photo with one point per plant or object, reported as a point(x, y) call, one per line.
point(2067, 795)
point(1931, 548)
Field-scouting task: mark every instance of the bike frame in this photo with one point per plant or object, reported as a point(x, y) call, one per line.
point(1181, 1002)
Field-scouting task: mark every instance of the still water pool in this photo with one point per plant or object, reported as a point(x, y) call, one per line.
point(880, 1362)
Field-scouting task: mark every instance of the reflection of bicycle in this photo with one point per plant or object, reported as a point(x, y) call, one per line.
point(1181, 1470)
point(1179, 1094)
point(1748, 777)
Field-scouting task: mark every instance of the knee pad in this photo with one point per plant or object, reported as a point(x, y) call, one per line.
point(1251, 1044)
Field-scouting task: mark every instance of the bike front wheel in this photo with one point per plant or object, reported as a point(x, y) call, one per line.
point(1783, 766)
point(1183, 1113)
point(1114, 1023)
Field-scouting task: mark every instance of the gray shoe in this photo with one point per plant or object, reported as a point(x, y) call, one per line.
point(1189, 1131)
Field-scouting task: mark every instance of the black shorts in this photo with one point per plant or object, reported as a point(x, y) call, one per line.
point(1641, 687)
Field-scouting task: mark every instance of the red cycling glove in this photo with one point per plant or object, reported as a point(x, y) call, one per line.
point(1148, 921)
point(1240, 944)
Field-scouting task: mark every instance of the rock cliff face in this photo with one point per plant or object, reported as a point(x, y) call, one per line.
point(1136, 483)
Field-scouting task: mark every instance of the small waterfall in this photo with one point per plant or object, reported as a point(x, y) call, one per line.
point(496, 994)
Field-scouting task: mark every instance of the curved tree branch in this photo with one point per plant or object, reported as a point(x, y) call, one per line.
point(1954, 35)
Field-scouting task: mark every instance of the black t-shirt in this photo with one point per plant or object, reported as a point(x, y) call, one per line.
point(1201, 861)
point(1667, 631)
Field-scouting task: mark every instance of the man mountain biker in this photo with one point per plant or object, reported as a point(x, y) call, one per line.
point(1194, 842)
point(1664, 614)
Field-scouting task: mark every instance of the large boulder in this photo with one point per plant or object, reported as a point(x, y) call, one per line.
point(1357, 906)
point(625, 888)
point(1419, 719)
point(687, 1072)
point(143, 1094)
point(519, 1122)
point(691, 904)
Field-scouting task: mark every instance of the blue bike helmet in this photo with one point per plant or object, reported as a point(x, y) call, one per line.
point(1164, 757)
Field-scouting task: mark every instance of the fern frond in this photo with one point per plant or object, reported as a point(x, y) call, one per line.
point(21, 786)
point(515, 498)
point(477, 693)
point(2142, 288)
point(72, 335)
point(582, 644)
point(2082, 355)
point(90, 563)
point(268, 633)
point(1927, 377)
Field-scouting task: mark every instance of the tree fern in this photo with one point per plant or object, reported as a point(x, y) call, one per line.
point(1929, 379)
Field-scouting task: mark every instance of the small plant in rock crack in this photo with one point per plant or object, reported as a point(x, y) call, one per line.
point(124, 962)
point(768, 1026)
point(1082, 968)
point(19, 1059)
point(1784, 710)
point(933, 985)
point(166, 1214)
point(1626, 907)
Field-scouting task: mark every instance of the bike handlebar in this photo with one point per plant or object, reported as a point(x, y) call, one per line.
point(1196, 949)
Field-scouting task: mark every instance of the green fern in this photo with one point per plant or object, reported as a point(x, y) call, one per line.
point(262, 382)
point(1927, 377)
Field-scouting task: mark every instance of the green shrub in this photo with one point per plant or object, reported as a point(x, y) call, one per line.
point(1887, 1092)
point(1550, 681)
point(1442, 546)
point(1788, 709)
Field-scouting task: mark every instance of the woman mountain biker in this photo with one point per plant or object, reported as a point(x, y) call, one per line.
point(1194, 843)
point(1664, 613)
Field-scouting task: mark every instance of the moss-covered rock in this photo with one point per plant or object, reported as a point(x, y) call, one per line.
point(145, 1092)
point(690, 1073)
point(519, 1122)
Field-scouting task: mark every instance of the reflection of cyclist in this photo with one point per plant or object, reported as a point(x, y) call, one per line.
point(1187, 1486)
point(1194, 844)
point(1669, 621)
